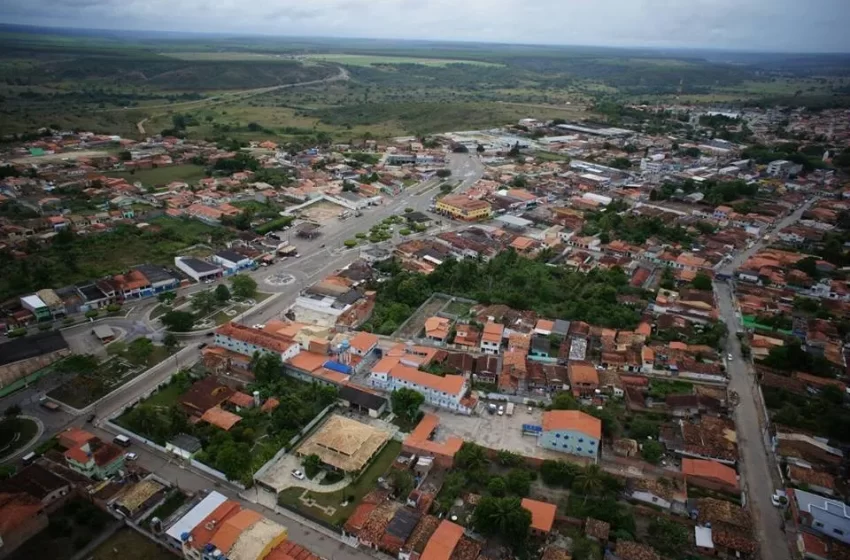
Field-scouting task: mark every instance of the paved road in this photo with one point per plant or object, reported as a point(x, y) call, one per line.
point(758, 468)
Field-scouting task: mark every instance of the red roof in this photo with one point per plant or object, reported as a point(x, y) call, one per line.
point(574, 420)
point(443, 542)
point(710, 470)
point(542, 514)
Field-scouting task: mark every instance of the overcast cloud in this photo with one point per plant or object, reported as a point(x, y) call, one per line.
point(776, 25)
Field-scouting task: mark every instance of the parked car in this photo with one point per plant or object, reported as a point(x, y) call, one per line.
point(501, 410)
point(491, 408)
point(778, 498)
point(298, 474)
point(91, 418)
point(729, 357)
point(131, 456)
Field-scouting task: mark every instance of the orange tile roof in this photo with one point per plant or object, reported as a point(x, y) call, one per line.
point(648, 354)
point(420, 438)
point(583, 372)
point(75, 437)
point(363, 341)
point(493, 333)
point(545, 325)
point(267, 340)
point(206, 529)
point(709, 469)
point(270, 404)
point(443, 542)
point(16, 509)
point(308, 361)
point(542, 514)
point(220, 418)
point(522, 243)
point(232, 528)
point(289, 550)
point(449, 384)
point(241, 399)
point(385, 365)
point(437, 327)
point(644, 329)
point(572, 420)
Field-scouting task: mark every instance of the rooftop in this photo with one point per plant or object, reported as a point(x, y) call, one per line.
point(221, 418)
point(344, 443)
point(572, 420)
point(542, 514)
point(442, 543)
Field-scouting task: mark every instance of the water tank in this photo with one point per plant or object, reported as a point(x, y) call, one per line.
point(256, 398)
point(184, 536)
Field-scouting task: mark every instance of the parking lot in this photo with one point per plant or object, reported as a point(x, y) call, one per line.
point(496, 432)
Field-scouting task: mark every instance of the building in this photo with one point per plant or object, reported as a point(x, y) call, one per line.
point(181, 529)
point(38, 308)
point(571, 431)
point(542, 516)
point(446, 392)
point(39, 483)
point(159, 280)
point(823, 515)
point(584, 379)
point(462, 207)
point(247, 340)
point(491, 338)
point(229, 531)
point(363, 343)
point(783, 168)
point(22, 356)
point(344, 444)
point(203, 395)
point(443, 542)
point(21, 518)
point(232, 262)
point(669, 494)
point(363, 400)
point(421, 442)
point(437, 329)
point(198, 270)
point(95, 459)
point(710, 474)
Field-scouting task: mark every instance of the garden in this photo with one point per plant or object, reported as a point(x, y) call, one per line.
point(209, 308)
point(15, 432)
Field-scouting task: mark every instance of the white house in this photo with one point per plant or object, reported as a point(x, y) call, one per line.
point(197, 269)
point(232, 262)
point(445, 392)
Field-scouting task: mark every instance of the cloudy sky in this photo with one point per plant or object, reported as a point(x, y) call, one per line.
point(775, 25)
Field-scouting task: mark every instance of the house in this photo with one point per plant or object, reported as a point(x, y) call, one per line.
point(828, 517)
point(220, 418)
point(491, 338)
point(95, 459)
point(232, 262)
point(630, 550)
point(184, 445)
point(584, 379)
point(597, 530)
point(542, 516)
point(21, 518)
point(571, 431)
point(711, 475)
point(198, 270)
point(462, 207)
point(669, 494)
point(363, 343)
point(437, 329)
point(783, 168)
point(445, 392)
point(39, 483)
point(363, 400)
point(246, 340)
point(443, 542)
point(814, 480)
point(422, 441)
point(74, 437)
point(204, 395)
point(38, 307)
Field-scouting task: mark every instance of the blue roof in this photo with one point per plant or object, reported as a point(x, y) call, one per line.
point(338, 367)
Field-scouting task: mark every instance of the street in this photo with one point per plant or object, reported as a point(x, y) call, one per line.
point(758, 470)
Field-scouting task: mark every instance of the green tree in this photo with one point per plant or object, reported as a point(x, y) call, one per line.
point(170, 342)
point(244, 286)
point(497, 487)
point(558, 473)
point(312, 465)
point(443, 173)
point(590, 481)
point(203, 303)
point(405, 403)
point(167, 297)
point(563, 400)
point(402, 482)
point(652, 451)
point(139, 351)
point(701, 282)
point(509, 459)
point(503, 517)
point(267, 368)
point(668, 537)
point(519, 482)
point(222, 294)
point(471, 457)
point(178, 321)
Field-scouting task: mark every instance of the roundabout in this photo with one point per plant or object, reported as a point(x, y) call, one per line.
point(17, 433)
point(279, 279)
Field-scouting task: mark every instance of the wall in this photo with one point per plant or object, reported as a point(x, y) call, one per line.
point(568, 442)
point(10, 373)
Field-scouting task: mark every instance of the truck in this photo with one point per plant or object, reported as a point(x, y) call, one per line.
point(509, 410)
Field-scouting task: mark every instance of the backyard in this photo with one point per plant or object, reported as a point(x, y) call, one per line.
point(353, 493)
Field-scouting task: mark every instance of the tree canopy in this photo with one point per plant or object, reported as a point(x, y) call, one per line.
point(178, 321)
point(244, 286)
point(503, 517)
point(406, 403)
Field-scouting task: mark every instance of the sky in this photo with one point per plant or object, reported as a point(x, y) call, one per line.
point(761, 25)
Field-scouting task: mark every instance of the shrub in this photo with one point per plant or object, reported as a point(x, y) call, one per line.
point(14, 333)
point(360, 235)
point(350, 243)
point(45, 326)
point(404, 231)
point(91, 313)
point(113, 307)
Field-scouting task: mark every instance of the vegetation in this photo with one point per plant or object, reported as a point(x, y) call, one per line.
point(632, 228)
point(243, 286)
point(504, 518)
point(512, 280)
point(405, 405)
point(821, 414)
point(178, 321)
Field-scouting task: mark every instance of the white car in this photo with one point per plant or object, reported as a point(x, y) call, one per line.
point(501, 411)
point(778, 498)
point(298, 474)
point(729, 357)
point(131, 456)
point(259, 326)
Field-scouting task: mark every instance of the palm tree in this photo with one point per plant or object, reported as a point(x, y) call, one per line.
point(590, 481)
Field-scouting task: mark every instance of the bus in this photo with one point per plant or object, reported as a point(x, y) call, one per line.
point(29, 458)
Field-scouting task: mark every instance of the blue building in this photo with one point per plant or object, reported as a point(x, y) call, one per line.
point(571, 431)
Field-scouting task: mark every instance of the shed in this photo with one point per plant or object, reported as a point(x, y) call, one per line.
point(104, 333)
point(363, 400)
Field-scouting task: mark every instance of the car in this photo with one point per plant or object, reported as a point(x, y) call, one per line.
point(259, 326)
point(210, 334)
point(298, 474)
point(778, 498)
point(501, 410)
point(322, 246)
point(91, 418)
point(131, 456)
point(729, 357)
point(202, 345)
point(530, 410)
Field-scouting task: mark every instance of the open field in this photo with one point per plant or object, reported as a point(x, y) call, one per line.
point(127, 544)
point(371, 60)
point(229, 56)
point(162, 175)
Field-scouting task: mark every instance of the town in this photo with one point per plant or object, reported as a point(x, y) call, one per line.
point(549, 340)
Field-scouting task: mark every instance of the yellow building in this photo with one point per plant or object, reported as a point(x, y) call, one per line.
point(463, 208)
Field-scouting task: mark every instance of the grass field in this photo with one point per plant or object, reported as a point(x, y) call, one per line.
point(354, 492)
point(163, 175)
point(127, 544)
point(370, 60)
